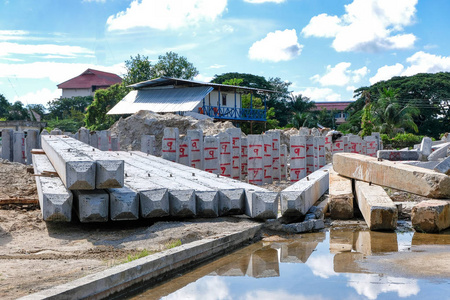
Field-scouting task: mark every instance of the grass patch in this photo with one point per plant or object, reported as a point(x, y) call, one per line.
point(173, 244)
point(141, 254)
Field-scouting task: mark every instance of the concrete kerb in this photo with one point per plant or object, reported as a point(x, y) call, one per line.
point(153, 267)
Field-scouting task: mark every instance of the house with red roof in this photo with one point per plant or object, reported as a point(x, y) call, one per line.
point(87, 83)
point(337, 106)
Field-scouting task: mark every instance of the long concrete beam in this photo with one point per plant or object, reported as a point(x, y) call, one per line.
point(300, 196)
point(395, 175)
point(340, 196)
point(76, 170)
point(109, 169)
point(91, 205)
point(55, 199)
point(378, 210)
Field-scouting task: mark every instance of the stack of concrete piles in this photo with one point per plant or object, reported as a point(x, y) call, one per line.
point(370, 175)
point(130, 185)
point(17, 145)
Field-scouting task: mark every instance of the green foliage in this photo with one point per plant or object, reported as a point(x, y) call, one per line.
point(141, 254)
point(139, 69)
point(37, 108)
point(17, 112)
point(67, 124)
point(367, 120)
point(428, 93)
point(233, 81)
point(248, 80)
point(257, 103)
point(173, 244)
point(104, 100)
point(4, 107)
point(173, 65)
point(61, 108)
point(402, 140)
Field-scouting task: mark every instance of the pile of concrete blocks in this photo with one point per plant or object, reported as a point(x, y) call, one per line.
point(17, 145)
point(117, 185)
point(370, 175)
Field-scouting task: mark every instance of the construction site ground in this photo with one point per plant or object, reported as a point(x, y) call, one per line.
point(36, 255)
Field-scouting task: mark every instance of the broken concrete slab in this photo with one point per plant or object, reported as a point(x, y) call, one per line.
point(76, 170)
point(299, 197)
point(431, 216)
point(396, 155)
point(378, 210)
point(55, 200)
point(425, 146)
point(395, 175)
point(123, 204)
point(91, 206)
point(443, 166)
point(306, 226)
point(439, 153)
point(340, 196)
point(423, 164)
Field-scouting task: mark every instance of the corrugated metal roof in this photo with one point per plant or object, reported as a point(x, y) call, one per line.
point(161, 100)
point(162, 81)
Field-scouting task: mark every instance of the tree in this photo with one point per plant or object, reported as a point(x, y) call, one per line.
point(61, 108)
point(4, 107)
point(367, 120)
point(139, 69)
point(173, 65)
point(248, 80)
point(96, 117)
point(17, 112)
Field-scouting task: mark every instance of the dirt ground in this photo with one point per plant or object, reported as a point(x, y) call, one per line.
point(36, 255)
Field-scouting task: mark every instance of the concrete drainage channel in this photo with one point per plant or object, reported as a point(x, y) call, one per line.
point(156, 267)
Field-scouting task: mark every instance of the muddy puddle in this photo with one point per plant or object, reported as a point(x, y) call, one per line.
point(337, 264)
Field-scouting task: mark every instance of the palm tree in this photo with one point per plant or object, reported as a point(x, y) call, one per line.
point(389, 113)
point(299, 106)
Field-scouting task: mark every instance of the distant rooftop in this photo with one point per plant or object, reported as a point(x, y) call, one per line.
point(332, 105)
point(90, 78)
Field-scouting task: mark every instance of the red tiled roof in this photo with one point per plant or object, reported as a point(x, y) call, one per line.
point(90, 78)
point(332, 105)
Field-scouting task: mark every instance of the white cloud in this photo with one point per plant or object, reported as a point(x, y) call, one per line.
point(340, 75)
point(322, 266)
point(367, 26)
point(12, 34)
point(264, 1)
point(166, 14)
point(216, 66)
point(7, 48)
point(203, 78)
point(276, 46)
point(279, 294)
point(56, 72)
point(319, 94)
point(99, 1)
point(350, 88)
point(42, 96)
point(420, 62)
point(214, 288)
point(371, 285)
point(387, 72)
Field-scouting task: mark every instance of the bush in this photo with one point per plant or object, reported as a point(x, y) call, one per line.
point(402, 140)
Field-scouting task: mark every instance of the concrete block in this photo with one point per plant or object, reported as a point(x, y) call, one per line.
point(225, 149)
point(196, 148)
point(84, 135)
point(184, 151)
point(154, 203)
point(423, 164)
point(378, 210)
point(91, 206)
point(244, 157)
point(298, 157)
point(340, 196)
point(231, 202)
point(339, 145)
point(396, 155)
point(77, 171)
point(263, 263)
point(148, 144)
point(31, 142)
point(439, 153)
point(115, 145)
point(276, 168)
point(211, 154)
point(94, 139)
point(306, 226)
point(283, 162)
point(371, 146)
point(182, 203)
point(7, 144)
point(235, 134)
point(123, 204)
point(19, 147)
point(207, 204)
point(320, 140)
point(55, 200)
point(170, 144)
point(372, 242)
point(56, 131)
point(395, 175)
point(431, 216)
point(425, 146)
point(299, 197)
point(309, 154)
point(267, 158)
point(255, 159)
point(104, 140)
point(443, 166)
point(261, 205)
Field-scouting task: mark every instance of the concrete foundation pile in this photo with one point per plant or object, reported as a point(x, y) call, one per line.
point(370, 175)
point(17, 145)
point(103, 185)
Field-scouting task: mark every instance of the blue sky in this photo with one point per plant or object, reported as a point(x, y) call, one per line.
point(326, 48)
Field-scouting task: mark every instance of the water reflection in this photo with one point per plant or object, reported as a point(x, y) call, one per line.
point(329, 265)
